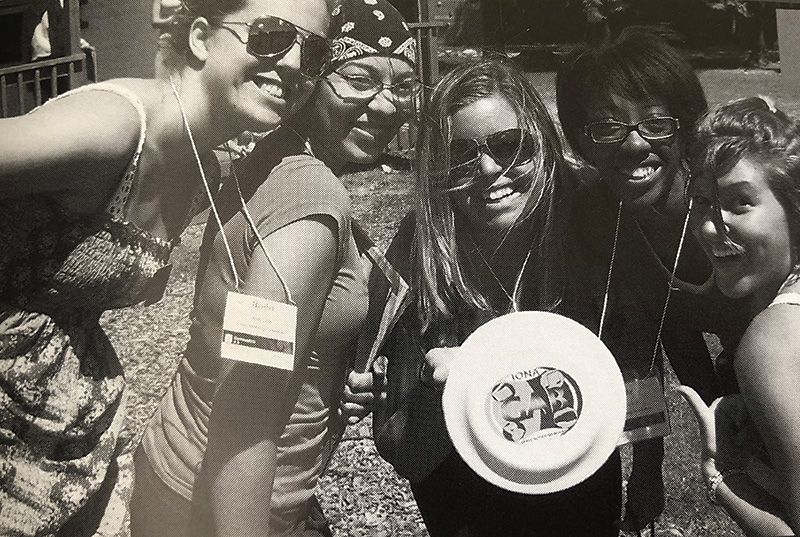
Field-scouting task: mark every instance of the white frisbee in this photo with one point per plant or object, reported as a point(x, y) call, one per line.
point(534, 402)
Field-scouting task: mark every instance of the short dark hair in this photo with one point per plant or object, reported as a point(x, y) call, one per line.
point(189, 10)
point(638, 64)
point(754, 130)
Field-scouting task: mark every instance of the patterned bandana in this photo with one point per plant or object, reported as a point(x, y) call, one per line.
point(369, 28)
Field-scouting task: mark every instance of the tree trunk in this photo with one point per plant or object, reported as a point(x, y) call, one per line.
point(758, 43)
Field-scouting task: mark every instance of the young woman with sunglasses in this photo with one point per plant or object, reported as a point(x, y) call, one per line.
point(241, 445)
point(627, 109)
point(746, 216)
point(483, 241)
point(91, 207)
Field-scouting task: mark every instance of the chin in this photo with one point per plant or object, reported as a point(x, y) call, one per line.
point(736, 288)
point(263, 119)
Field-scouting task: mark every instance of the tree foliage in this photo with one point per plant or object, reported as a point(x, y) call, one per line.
point(739, 7)
point(598, 11)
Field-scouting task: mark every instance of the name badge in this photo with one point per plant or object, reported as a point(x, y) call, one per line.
point(258, 330)
point(647, 415)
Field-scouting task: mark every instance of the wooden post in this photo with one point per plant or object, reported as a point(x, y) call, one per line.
point(788, 23)
point(789, 47)
point(427, 45)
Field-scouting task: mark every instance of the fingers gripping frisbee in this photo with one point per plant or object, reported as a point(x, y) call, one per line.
point(534, 402)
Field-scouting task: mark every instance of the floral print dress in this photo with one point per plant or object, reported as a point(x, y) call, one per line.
point(61, 383)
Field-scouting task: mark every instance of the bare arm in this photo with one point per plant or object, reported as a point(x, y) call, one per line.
point(729, 439)
point(253, 403)
point(81, 143)
point(767, 368)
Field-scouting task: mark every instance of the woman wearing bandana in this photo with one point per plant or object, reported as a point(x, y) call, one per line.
point(236, 448)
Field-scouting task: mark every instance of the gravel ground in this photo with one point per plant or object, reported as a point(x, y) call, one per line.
point(360, 492)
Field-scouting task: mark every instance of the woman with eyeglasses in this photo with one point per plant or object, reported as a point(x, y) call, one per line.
point(627, 109)
point(252, 416)
point(484, 240)
point(96, 187)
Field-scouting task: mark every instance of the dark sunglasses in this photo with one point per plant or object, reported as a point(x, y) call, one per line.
point(272, 37)
point(511, 147)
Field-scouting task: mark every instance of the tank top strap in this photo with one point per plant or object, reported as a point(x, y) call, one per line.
point(787, 298)
point(117, 203)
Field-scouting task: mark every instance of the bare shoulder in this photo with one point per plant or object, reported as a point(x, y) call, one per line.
point(771, 343)
point(83, 136)
point(108, 119)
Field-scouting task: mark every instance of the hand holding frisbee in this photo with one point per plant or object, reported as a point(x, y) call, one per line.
point(534, 402)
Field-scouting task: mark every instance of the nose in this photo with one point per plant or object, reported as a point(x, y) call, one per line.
point(635, 142)
point(707, 226)
point(384, 103)
point(292, 59)
point(487, 165)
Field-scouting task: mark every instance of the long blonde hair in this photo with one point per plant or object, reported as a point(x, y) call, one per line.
point(445, 287)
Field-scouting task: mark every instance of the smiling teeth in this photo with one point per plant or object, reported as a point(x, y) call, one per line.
point(499, 193)
point(643, 171)
point(272, 89)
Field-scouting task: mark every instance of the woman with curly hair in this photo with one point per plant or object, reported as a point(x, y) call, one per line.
point(745, 196)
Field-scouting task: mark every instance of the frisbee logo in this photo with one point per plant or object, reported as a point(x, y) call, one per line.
point(534, 404)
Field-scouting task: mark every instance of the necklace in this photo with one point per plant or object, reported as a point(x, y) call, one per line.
point(670, 287)
point(254, 229)
point(214, 211)
point(512, 297)
point(303, 140)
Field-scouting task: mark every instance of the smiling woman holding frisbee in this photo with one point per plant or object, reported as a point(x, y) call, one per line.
point(483, 241)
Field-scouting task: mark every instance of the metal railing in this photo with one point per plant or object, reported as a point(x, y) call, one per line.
point(425, 33)
point(24, 87)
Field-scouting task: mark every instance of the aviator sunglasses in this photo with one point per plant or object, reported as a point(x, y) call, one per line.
point(508, 148)
point(272, 37)
point(355, 87)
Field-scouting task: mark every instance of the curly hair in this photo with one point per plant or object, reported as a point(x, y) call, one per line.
point(754, 130)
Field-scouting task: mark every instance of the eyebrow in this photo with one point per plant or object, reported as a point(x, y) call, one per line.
point(652, 110)
point(738, 184)
point(375, 71)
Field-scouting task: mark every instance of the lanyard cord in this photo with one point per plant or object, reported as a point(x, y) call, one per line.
point(610, 269)
point(254, 228)
point(669, 288)
point(671, 285)
point(205, 183)
point(513, 299)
